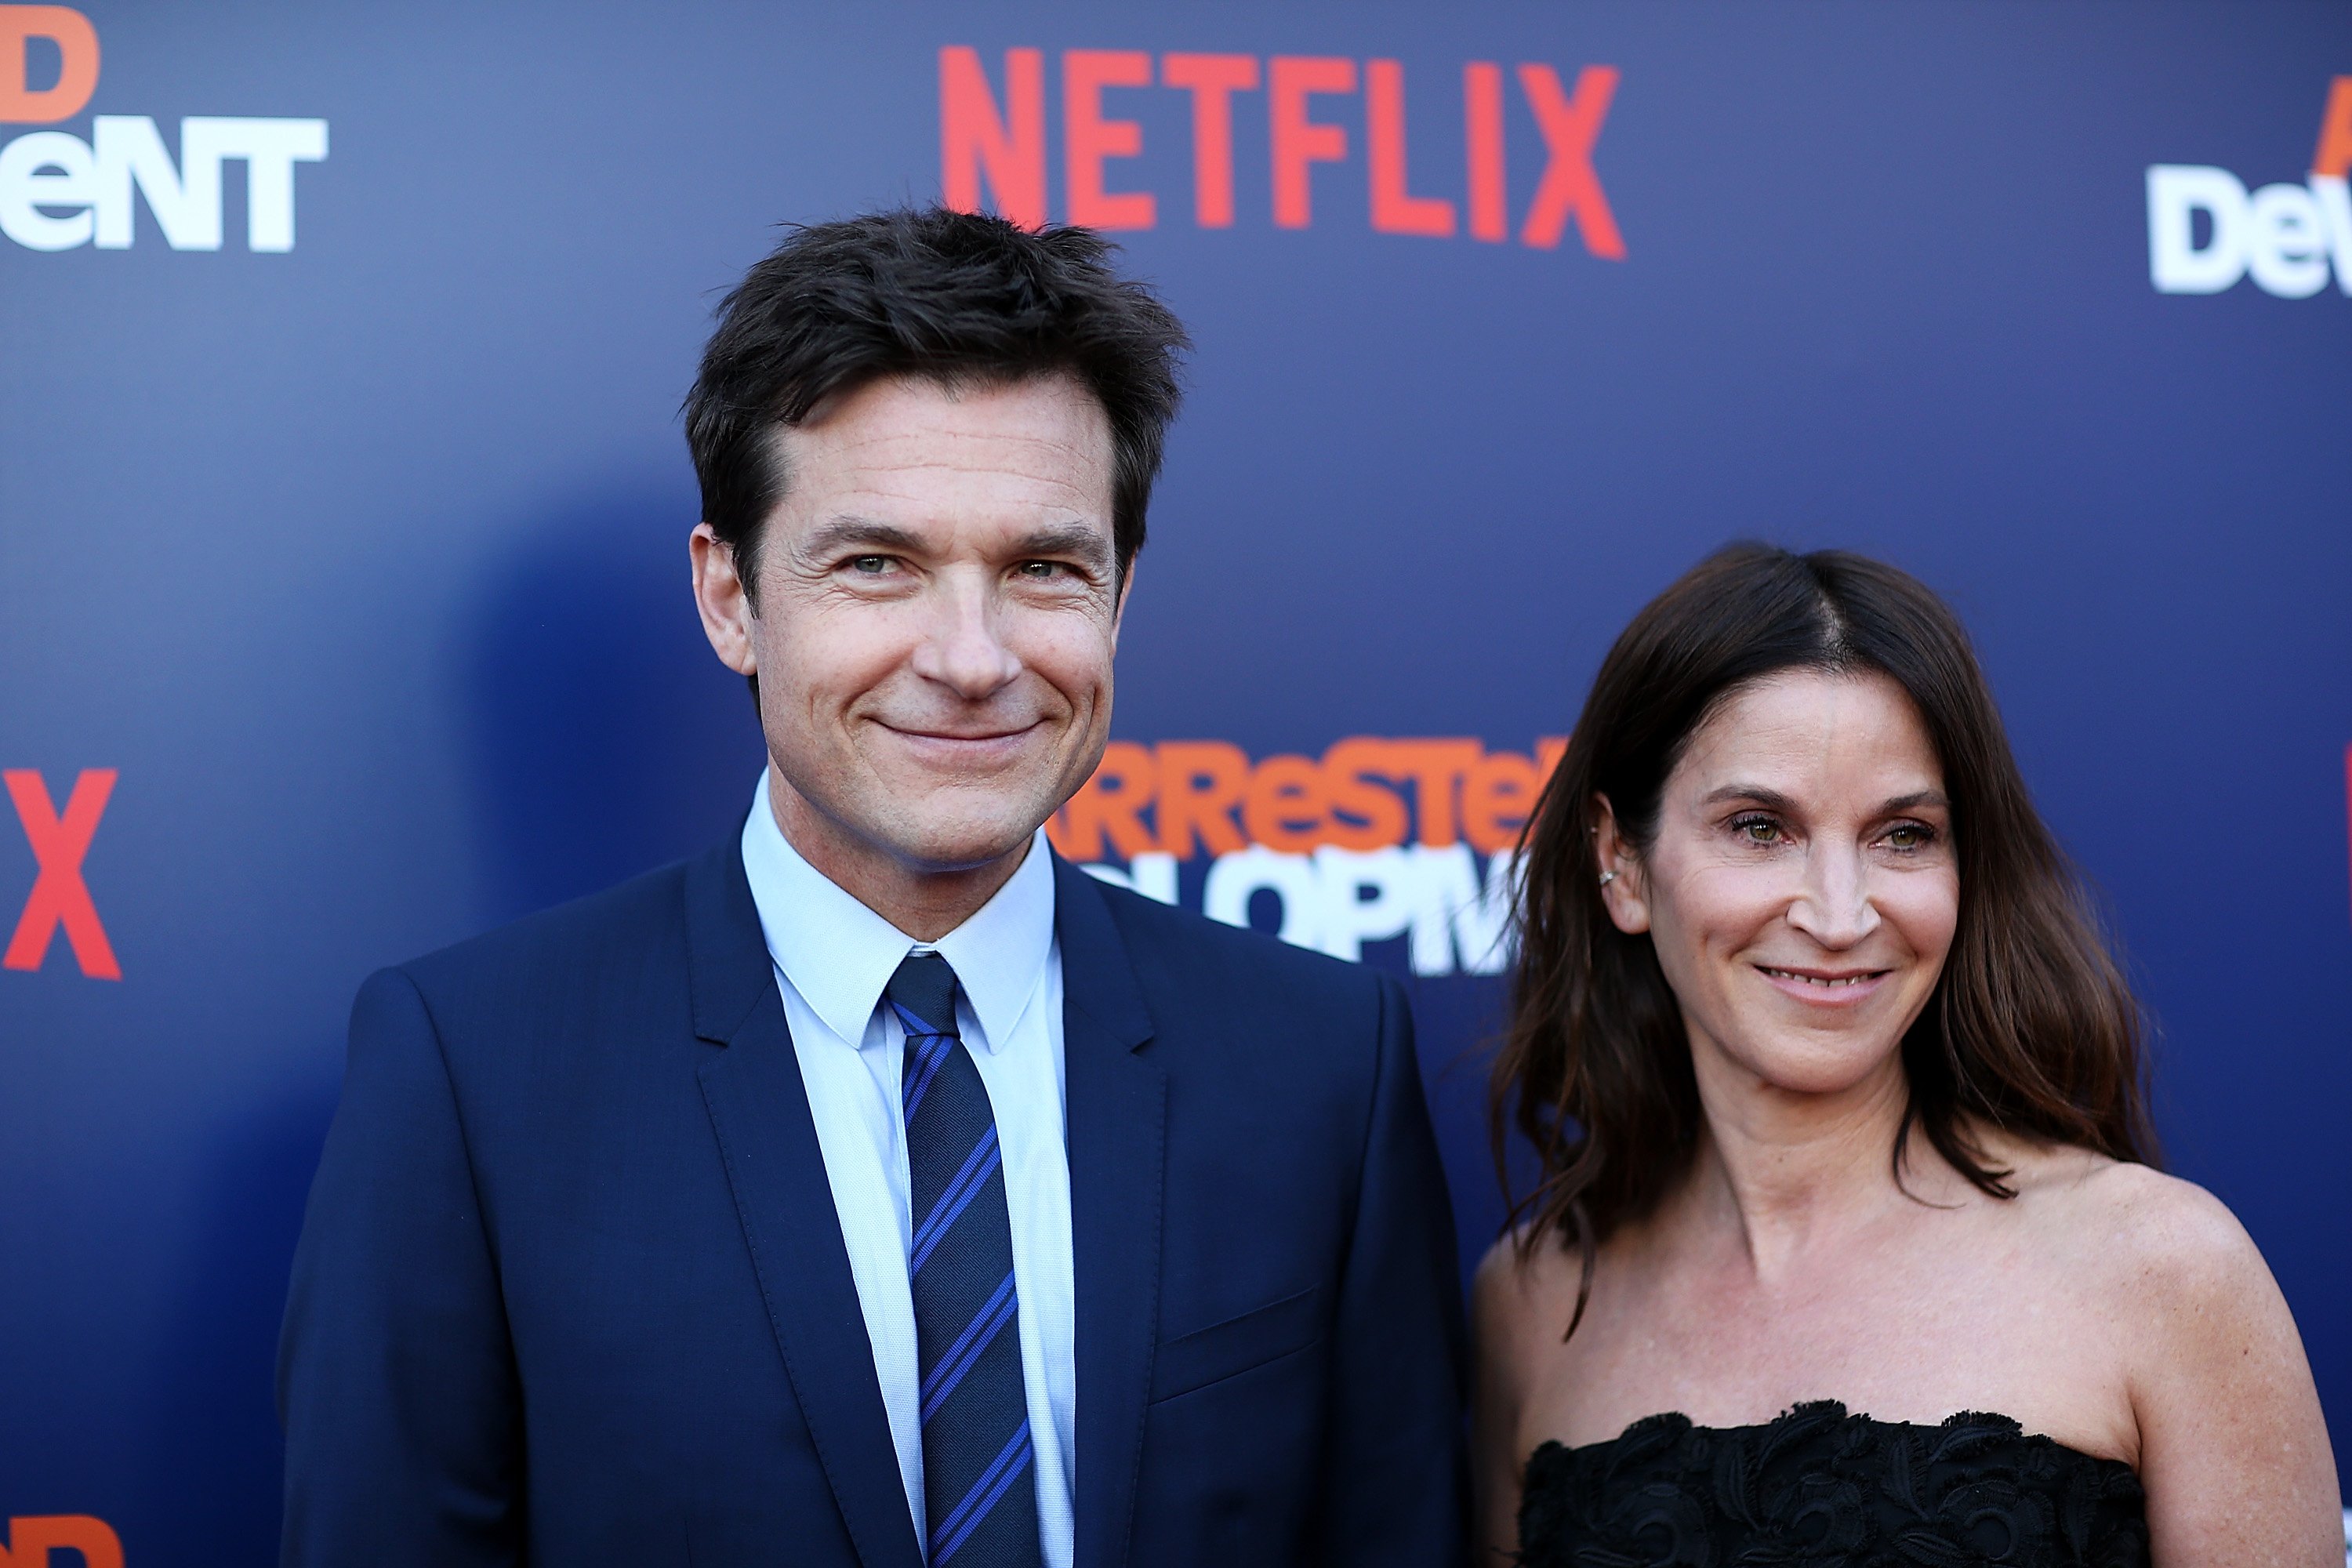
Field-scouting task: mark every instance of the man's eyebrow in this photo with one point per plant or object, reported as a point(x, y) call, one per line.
point(1064, 539)
point(846, 532)
point(851, 533)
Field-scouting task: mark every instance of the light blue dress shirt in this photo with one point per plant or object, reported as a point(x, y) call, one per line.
point(832, 956)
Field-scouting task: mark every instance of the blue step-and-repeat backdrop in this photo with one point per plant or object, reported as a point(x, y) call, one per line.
point(343, 603)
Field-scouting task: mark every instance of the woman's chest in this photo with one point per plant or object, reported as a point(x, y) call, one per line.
point(1897, 1343)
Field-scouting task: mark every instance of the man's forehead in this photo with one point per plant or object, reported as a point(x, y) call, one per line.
point(1050, 408)
point(1043, 441)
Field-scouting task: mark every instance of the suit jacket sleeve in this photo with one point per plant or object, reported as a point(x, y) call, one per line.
point(396, 1382)
point(1395, 1488)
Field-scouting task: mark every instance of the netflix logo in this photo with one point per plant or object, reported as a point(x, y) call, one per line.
point(60, 899)
point(1321, 113)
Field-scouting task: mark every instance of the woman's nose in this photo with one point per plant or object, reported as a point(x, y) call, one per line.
point(1835, 906)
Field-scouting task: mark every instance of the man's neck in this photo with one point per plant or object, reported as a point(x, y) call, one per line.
point(926, 904)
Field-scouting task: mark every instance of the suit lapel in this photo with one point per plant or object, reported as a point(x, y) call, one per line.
point(1116, 1131)
point(760, 1111)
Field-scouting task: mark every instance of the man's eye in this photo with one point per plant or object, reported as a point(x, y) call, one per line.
point(870, 565)
point(1041, 569)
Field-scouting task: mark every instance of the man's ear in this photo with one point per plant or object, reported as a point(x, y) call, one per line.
point(723, 600)
point(1623, 892)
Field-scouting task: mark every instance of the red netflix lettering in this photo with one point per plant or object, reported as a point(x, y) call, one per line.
point(1570, 187)
point(992, 146)
point(974, 138)
point(1212, 80)
point(1482, 110)
point(1395, 211)
point(60, 896)
point(1087, 138)
point(1298, 142)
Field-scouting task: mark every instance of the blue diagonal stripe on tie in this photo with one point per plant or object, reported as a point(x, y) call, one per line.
point(915, 1026)
point(1002, 1472)
point(965, 1352)
point(977, 1168)
point(927, 1059)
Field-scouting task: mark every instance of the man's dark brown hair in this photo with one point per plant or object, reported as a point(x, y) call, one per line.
point(960, 298)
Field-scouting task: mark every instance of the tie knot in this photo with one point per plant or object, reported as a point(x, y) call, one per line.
point(923, 990)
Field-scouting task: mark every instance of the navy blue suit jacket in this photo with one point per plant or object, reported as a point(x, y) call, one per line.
point(572, 1290)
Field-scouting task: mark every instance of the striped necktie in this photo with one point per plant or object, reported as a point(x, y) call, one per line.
point(980, 1488)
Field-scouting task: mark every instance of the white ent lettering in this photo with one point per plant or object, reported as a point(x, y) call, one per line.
point(271, 149)
point(186, 201)
point(2175, 194)
point(26, 186)
point(126, 159)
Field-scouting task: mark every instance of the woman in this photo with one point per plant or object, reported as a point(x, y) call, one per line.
point(1848, 1244)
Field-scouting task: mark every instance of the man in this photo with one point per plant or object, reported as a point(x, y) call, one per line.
point(878, 1188)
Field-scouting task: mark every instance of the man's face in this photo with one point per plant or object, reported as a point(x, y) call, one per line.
point(936, 608)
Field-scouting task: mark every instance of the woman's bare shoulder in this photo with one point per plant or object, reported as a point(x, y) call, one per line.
point(2230, 1441)
point(1524, 1282)
point(2151, 1237)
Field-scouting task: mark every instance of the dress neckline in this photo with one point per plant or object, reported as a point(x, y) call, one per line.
point(1826, 1413)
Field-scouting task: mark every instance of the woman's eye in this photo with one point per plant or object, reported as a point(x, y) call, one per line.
point(1758, 829)
point(1910, 835)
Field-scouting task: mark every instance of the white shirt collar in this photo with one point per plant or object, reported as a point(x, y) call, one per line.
point(839, 954)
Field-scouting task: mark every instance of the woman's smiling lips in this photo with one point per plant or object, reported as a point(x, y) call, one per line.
point(1825, 987)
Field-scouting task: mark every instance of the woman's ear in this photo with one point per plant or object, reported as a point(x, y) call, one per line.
point(1622, 892)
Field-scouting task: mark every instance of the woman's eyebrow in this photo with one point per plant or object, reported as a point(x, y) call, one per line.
point(1917, 797)
point(1770, 799)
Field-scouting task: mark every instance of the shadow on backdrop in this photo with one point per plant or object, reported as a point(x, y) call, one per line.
point(214, 1453)
point(605, 738)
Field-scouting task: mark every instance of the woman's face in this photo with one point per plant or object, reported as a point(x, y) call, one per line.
point(1803, 889)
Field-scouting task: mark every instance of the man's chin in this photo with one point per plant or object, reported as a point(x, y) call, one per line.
point(946, 845)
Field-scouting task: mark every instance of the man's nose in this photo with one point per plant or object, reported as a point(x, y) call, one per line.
point(962, 648)
point(1835, 906)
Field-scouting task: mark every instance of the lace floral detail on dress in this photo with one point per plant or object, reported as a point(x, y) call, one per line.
point(1821, 1489)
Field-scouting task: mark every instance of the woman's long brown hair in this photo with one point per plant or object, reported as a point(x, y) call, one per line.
point(2030, 1029)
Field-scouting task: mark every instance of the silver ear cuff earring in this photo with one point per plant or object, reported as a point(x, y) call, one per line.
point(1607, 878)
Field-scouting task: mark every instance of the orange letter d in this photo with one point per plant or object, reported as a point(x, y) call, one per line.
point(32, 1540)
point(76, 40)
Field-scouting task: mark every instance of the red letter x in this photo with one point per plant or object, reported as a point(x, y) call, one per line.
point(60, 896)
point(1570, 126)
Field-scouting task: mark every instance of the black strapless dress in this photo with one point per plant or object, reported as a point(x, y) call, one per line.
point(1821, 1489)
